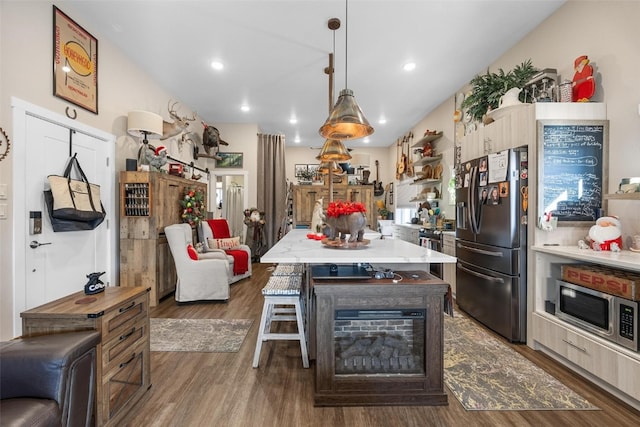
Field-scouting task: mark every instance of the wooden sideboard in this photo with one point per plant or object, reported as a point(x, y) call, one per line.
point(149, 201)
point(121, 315)
point(305, 196)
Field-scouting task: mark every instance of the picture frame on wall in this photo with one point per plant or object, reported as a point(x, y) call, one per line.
point(229, 160)
point(300, 170)
point(75, 63)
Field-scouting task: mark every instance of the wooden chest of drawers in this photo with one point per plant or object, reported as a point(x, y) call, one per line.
point(121, 315)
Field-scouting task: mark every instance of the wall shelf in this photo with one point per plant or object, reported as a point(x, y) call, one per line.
point(426, 139)
point(623, 196)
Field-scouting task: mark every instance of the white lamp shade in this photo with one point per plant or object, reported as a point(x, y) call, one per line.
point(139, 122)
point(360, 160)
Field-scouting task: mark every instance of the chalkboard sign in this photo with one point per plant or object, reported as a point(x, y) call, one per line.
point(573, 165)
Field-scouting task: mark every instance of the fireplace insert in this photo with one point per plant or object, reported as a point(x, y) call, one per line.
point(379, 341)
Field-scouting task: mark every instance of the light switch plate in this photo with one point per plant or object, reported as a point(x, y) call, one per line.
point(3, 191)
point(3, 211)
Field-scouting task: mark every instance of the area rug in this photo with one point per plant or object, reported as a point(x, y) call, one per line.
point(484, 374)
point(198, 335)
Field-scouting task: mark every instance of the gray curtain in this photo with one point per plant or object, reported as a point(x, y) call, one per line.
point(272, 184)
point(234, 200)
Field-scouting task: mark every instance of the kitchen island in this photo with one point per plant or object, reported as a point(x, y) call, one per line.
point(296, 248)
point(399, 359)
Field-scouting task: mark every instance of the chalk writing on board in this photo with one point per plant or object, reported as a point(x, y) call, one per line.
point(571, 179)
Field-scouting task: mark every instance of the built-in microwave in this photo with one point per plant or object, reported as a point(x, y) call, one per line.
point(609, 316)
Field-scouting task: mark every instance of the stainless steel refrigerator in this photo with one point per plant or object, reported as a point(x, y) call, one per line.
point(491, 241)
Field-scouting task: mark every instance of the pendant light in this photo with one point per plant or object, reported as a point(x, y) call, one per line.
point(333, 149)
point(332, 168)
point(346, 120)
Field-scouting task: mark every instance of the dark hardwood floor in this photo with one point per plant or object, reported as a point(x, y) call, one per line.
point(222, 389)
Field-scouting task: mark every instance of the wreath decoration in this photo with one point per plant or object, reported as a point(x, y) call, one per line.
point(193, 206)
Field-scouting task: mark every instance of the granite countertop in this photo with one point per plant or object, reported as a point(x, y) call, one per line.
point(295, 247)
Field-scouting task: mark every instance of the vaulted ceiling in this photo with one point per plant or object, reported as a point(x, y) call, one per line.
point(275, 52)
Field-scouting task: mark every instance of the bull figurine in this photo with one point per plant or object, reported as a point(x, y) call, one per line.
point(94, 285)
point(352, 224)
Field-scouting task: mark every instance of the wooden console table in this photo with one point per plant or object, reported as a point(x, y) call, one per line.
point(121, 315)
point(417, 379)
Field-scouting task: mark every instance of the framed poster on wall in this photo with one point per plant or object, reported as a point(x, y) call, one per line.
point(229, 160)
point(75, 63)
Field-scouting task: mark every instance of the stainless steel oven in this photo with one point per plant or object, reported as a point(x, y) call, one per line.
point(432, 239)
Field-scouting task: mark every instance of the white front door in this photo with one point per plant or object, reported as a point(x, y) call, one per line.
point(57, 263)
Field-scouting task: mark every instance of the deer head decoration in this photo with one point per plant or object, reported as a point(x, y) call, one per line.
point(178, 125)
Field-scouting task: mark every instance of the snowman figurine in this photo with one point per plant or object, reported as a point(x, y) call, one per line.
point(606, 235)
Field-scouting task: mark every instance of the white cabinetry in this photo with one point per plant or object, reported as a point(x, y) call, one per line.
point(449, 270)
point(512, 127)
point(615, 368)
point(408, 233)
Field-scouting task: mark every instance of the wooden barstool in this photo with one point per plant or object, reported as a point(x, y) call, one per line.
point(282, 291)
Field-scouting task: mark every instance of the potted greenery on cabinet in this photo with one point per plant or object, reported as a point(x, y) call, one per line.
point(486, 89)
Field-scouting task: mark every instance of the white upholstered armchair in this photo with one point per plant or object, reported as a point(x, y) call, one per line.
point(206, 278)
point(240, 263)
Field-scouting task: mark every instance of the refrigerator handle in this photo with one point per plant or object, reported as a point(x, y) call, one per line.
point(473, 201)
point(480, 251)
point(480, 275)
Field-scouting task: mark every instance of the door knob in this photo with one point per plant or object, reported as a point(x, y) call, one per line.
point(34, 244)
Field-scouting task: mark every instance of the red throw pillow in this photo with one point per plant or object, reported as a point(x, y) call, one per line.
point(193, 254)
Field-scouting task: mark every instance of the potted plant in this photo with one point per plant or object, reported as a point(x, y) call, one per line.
point(486, 89)
point(305, 176)
point(383, 213)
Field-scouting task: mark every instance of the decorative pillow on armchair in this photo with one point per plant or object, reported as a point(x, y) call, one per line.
point(193, 254)
point(230, 243)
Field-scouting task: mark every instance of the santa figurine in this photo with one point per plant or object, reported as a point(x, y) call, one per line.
point(606, 235)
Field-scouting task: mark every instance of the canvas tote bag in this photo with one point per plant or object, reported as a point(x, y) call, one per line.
point(75, 199)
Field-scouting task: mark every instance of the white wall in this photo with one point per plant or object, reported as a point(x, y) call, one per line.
point(26, 73)
point(608, 32)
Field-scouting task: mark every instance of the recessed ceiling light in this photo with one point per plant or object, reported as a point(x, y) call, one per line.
point(217, 65)
point(382, 121)
point(293, 120)
point(409, 66)
point(245, 108)
point(297, 139)
point(366, 140)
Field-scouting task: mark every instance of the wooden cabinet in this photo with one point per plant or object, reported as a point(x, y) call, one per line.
point(305, 196)
point(149, 201)
point(121, 315)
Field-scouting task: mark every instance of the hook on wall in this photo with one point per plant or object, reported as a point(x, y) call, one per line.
point(75, 113)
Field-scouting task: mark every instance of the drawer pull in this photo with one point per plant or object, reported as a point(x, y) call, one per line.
point(123, 364)
point(123, 309)
point(125, 336)
point(577, 347)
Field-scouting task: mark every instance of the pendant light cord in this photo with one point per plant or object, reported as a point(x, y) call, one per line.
point(346, 41)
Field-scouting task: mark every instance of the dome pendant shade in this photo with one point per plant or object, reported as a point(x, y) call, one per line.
point(334, 167)
point(346, 120)
point(333, 150)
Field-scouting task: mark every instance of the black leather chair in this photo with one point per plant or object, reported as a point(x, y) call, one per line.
point(48, 380)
